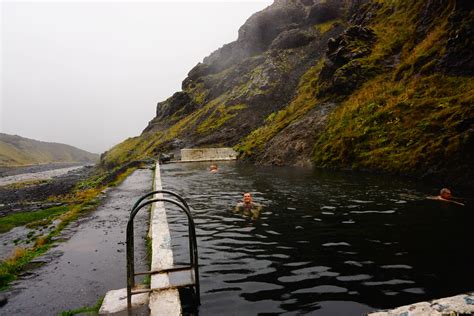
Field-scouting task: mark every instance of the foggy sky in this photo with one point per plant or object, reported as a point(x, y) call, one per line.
point(89, 74)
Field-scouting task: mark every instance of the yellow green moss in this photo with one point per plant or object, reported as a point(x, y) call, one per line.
point(397, 125)
point(219, 116)
point(326, 26)
point(405, 119)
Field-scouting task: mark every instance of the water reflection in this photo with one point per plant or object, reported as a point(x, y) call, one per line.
point(323, 243)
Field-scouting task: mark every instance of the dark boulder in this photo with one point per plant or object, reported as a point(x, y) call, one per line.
point(355, 42)
point(323, 12)
point(3, 299)
point(180, 101)
point(194, 75)
point(342, 73)
point(291, 39)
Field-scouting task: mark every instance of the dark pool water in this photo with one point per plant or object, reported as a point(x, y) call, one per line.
point(325, 243)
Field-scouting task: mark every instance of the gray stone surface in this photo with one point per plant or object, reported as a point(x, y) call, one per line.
point(454, 305)
point(208, 154)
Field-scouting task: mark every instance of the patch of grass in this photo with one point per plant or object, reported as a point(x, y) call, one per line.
point(94, 310)
point(12, 266)
point(399, 126)
point(25, 184)
point(19, 219)
point(219, 116)
point(326, 26)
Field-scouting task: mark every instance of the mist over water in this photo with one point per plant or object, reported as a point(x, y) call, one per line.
point(325, 243)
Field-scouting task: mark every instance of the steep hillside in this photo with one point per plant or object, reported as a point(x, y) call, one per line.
point(365, 84)
point(16, 150)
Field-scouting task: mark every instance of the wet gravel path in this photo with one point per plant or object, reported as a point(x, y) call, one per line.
point(79, 271)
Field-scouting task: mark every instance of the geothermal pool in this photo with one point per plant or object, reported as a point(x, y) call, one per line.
point(325, 243)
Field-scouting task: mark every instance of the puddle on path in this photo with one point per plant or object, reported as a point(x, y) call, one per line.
point(79, 271)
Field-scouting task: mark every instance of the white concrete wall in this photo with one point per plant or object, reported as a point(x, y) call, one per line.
point(208, 154)
point(165, 302)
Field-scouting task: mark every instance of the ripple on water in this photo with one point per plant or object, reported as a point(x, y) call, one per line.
point(361, 201)
point(256, 287)
point(357, 277)
point(389, 282)
point(322, 289)
point(414, 290)
point(396, 266)
point(349, 221)
point(272, 232)
point(225, 289)
point(327, 213)
point(326, 207)
point(373, 212)
point(297, 264)
point(335, 244)
point(354, 263)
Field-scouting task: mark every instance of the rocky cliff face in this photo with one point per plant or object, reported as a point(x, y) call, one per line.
point(366, 84)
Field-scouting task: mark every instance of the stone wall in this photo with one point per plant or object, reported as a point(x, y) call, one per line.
point(208, 154)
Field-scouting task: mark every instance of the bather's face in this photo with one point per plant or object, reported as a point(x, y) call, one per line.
point(247, 198)
point(446, 194)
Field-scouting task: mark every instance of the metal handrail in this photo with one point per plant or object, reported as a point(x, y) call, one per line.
point(130, 241)
point(192, 248)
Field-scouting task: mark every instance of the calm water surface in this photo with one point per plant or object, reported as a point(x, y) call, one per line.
point(325, 243)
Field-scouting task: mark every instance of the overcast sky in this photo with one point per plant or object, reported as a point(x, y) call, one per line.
point(89, 73)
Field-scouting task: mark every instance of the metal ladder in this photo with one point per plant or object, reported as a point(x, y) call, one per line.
point(191, 271)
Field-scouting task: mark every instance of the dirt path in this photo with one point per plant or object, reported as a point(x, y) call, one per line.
point(78, 272)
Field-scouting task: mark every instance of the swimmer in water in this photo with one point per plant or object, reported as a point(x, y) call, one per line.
point(213, 168)
point(248, 207)
point(446, 196)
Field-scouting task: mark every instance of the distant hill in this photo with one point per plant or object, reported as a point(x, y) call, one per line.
point(17, 150)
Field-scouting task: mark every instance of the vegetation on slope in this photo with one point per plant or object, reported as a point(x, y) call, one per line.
point(410, 118)
point(304, 100)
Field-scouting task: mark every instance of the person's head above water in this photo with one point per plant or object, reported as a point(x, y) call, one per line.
point(445, 194)
point(247, 198)
point(213, 168)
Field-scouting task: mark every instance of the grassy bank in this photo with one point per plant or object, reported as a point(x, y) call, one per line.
point(90, 310)
point(41, 217)
point(84, 199)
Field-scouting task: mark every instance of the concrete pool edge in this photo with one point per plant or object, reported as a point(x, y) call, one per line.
point(453, 305)
point(164, 302)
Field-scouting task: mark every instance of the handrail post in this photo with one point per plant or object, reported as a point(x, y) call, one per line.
point(193, 253)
